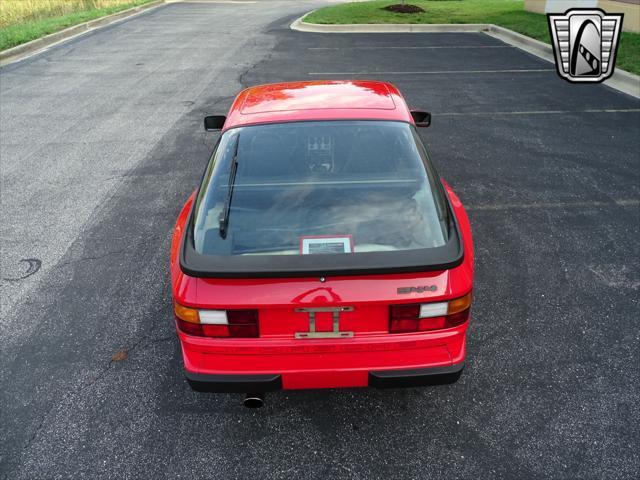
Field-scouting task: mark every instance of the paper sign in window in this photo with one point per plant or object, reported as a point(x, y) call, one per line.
point(326, 244)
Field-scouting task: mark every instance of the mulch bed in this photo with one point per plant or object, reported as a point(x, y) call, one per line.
point(403, 8)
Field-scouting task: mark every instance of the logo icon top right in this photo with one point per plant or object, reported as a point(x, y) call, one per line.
point(585, 42)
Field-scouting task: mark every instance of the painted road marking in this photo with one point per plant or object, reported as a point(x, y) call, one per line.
point(628, 202)
point(410, 47)
point(436, 72)
point(538, 112)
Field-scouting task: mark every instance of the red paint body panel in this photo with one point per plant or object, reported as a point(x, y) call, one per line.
point(306, 101)
point(324, 363)
point(321, 363)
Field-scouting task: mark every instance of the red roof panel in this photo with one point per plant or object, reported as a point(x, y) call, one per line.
point(317, 100)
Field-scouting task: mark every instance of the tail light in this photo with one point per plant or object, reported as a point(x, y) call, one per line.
point(420, 317)
point(217, 323)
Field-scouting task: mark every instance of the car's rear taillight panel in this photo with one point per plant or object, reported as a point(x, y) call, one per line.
point(416, 317)
point(217, 323)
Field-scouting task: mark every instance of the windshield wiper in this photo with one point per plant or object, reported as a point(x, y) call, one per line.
point(224, 215)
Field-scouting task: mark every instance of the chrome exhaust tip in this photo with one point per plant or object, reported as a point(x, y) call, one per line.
point(254, 400)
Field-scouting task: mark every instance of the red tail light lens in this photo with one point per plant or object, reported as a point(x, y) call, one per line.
point(190, 328)
point(429, 316)
point(457, 318)
point(215, 331)
point(404, 318)
point(243, 323)
point(217, 323)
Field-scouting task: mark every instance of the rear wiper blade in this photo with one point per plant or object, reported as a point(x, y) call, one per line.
point(224, 215)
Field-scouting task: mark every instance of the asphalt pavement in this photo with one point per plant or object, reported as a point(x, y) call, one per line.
point(101, 142)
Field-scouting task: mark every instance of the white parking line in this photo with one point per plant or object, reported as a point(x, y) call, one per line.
point(435, 72)
point(410, 47)
point(538, 112)
point(628, 202)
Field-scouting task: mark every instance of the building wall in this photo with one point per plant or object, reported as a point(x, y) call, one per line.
point(630, 8)
point(536, 6)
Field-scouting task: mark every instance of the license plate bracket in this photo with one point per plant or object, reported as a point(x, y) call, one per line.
point(335, 333)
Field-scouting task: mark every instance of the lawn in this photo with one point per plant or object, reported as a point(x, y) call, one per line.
point(506, 13)
point(24, 20)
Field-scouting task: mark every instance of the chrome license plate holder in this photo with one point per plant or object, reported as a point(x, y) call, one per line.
point(335, 333)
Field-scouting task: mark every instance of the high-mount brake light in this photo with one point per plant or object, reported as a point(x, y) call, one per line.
point(217, 323)
point(416, 317)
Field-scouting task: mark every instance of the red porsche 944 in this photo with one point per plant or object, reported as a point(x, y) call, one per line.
point(321, 249)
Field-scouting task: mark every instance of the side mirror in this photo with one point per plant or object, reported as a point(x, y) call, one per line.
point(214, 122)
point(422, 119)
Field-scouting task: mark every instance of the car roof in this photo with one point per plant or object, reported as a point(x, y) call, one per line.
point(318, 100)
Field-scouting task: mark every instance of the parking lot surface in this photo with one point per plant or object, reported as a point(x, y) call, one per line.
point(101, 144)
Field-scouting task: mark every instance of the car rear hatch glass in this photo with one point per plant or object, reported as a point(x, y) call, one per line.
point(303, 197)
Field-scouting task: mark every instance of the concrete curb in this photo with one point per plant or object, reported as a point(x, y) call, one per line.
point(624, 81)
point(528, 44)
point(301, 26)
point(19, 52)
point(621, 80)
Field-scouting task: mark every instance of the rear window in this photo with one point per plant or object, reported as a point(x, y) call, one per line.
point(318, 188)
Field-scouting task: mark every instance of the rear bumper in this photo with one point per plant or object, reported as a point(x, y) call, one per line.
point(419, 377)
point(262, 365)
point(234, 383)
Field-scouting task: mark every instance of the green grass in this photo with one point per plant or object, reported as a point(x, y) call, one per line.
point(25, 31)
point(506, 13)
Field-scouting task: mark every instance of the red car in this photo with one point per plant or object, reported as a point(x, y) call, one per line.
point(321, 249)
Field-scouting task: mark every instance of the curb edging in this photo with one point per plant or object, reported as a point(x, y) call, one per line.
point(301, 26)
point(21, 51)
point(528, 44)
point(621, 80)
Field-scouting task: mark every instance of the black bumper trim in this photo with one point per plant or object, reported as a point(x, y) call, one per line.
point(416, 378)
point(234, 383)
point(272, 382)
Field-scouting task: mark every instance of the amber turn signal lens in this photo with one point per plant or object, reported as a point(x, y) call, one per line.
point(459, 304)
point(186, 314)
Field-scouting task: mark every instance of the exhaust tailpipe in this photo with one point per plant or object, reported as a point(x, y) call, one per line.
point(254, 400)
